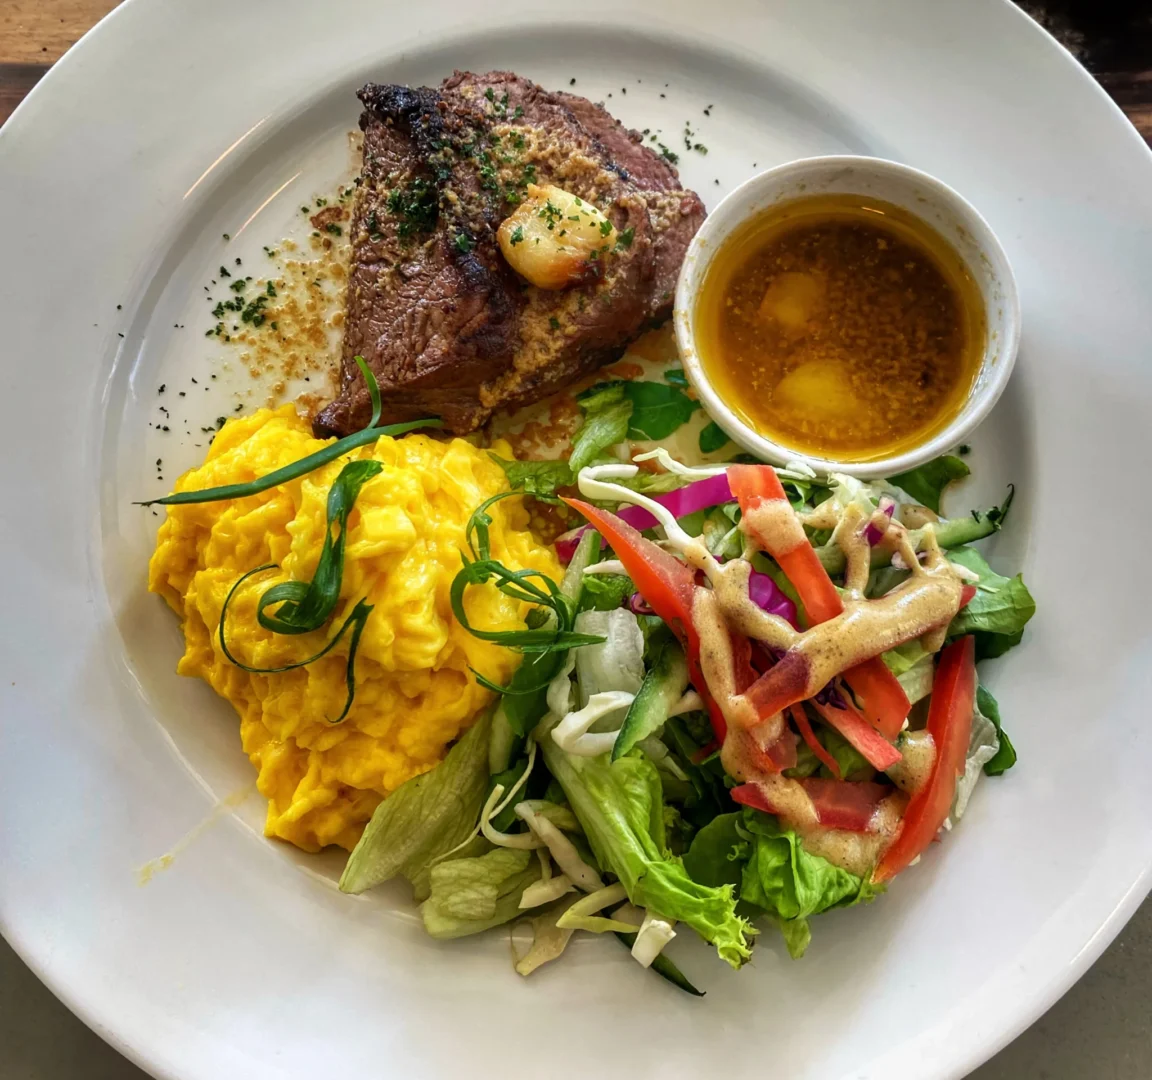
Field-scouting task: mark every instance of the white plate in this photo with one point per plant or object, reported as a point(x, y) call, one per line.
point(173, 123)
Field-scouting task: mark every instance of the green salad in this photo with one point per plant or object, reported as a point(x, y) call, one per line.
point(752, 698)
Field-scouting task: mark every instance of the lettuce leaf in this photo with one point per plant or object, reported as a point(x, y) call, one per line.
point(983, 745)
point(655, 409)
point(605, 592)
point(607, 411)
point(658, 409)
point(423, 818)
point(718, 853)
point(535, 477)
point(712, 437)
point(927, 483)
point(471, 895)
point(790, 883)
point(1004, 758)
point(997, 613)
point(620, 807)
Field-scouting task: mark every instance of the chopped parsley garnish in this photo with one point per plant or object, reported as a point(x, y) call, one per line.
point(551, 214)
point(239, 285)
point(554, 323)
point(517, 236)
point(487, 170)
point(624, 240)
point(605, 227)
point(224, 272)
point(334, 229)
point(415, 206)
point(463, 242)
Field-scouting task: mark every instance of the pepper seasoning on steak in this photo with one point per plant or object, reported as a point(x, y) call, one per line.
point(446, 325)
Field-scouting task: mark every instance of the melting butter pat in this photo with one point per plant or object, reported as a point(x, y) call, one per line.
point(822, 389)
point(792, 300)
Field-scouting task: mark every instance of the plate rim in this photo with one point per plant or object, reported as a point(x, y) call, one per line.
point(1040, 1000)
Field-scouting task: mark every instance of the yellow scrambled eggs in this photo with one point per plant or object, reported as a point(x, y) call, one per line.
point(414, 692)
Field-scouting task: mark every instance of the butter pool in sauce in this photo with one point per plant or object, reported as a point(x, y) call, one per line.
point(841, 326)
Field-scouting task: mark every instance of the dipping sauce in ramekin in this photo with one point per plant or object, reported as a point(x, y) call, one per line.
point(848, 311)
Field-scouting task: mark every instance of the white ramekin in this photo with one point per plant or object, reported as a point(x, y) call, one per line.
point(922, 195)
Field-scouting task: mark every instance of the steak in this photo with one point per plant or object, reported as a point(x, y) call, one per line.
point(446, 325)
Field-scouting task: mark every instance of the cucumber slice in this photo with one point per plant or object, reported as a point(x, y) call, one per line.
point(663, 687)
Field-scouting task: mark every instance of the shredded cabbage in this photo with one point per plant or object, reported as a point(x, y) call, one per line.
point(653, 935)
point(582, 914)
point(607, 566)
point(572, 734)
point(616, 663)
point(561, 848)
point(548, 939)
point(544, 892)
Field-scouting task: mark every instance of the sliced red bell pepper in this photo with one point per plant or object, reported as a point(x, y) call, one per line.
point(814, 744)
point(756, 484)
point(753, 795)
point(877, 751)
point(779, 755)
point(967, 592)
point(844, 804)
point(839, 804)
point(885, 703)
point(950, 725)
point(743, 673)
point(667, 584)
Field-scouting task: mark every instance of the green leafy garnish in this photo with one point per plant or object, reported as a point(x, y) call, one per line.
point(998, 612)
point(713, 437)
point(307, 605)
point(305, 465)
point(535, 477)
point(1005, 757)
point(658, 409)
point(355, 621)
point(676, 377)
point(528, 586)
point(927, 483)
point(605, 592)
point(607, 412)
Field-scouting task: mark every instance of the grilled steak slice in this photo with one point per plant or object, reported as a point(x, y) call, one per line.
point(445, 324)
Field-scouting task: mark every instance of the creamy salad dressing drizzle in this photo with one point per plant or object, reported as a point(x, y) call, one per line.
point(921, 607)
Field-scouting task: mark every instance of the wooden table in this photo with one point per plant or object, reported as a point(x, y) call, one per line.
point(1100, 1029)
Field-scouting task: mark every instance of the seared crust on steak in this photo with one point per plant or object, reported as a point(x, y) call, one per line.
point(444, 323)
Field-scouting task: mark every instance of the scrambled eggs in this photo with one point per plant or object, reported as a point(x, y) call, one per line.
point(414, 692)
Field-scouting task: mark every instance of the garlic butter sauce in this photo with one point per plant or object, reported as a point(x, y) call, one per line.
point(841, 326)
